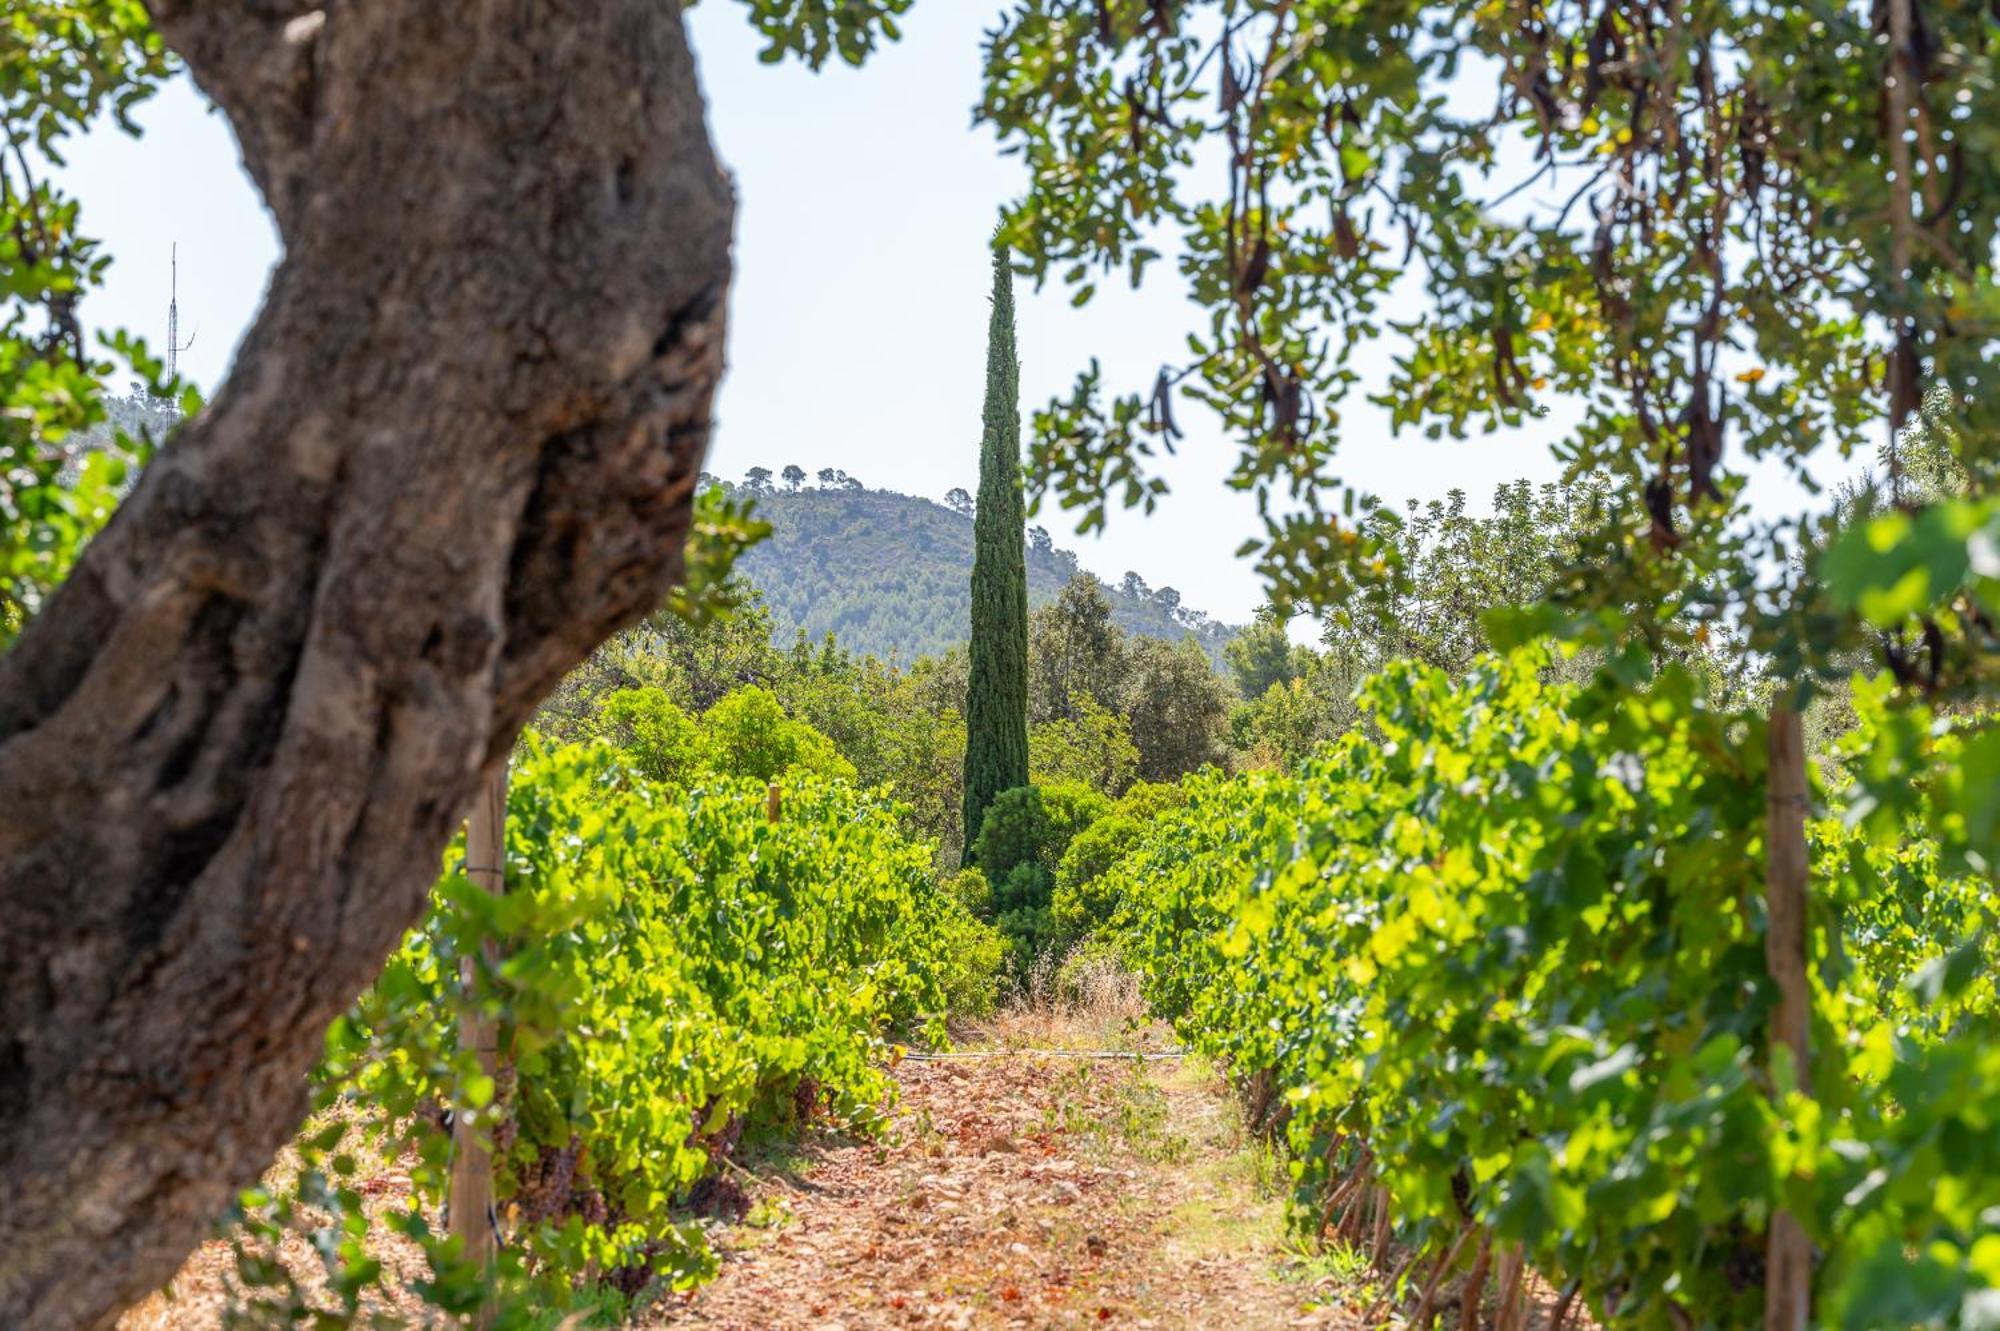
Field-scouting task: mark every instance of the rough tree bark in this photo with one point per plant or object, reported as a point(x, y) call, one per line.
point(457, 450)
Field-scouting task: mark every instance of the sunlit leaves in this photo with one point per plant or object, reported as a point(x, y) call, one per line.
point(1896, 565)
point(1511, 940)
point(63, 463)
point(670, 967)
point(1694, 257)
point(724, 526)
point(817, 31)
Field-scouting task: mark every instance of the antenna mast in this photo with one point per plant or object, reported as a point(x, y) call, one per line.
point(174, 344)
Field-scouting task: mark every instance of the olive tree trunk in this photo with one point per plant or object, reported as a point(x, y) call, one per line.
point(456, 451)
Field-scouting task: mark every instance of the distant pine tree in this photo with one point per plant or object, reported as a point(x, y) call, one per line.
point(996, 702)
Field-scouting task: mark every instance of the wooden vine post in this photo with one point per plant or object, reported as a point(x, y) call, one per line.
point(1788, 1255)
point(472, 1214)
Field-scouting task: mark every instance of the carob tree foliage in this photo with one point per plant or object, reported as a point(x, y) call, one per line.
point(1714, 230)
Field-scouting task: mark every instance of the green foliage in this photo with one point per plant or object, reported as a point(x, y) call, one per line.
point(1094, 748)
point(748, 734)
point(1896, 565)
point(996, 706)
point(1087, 895)
point(1262, 657)
point(1513, 945)
point(1177, 706)
point(816, 31)
point(1453, 567)
point(662, 742)
point(66, 450)
point(1027, 832)
point(899, 727)
point(1076, 906)
point(723, 529)
point(968, 888)
point(1076, 651)
point(1016, 830)
point(679, 973)
point(1291, 719)
point(1777, 236)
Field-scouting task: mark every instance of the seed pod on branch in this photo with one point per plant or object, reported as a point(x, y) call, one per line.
point(1160, 408)
point(1704, 444)
point(1345, 242)
point(1660, 508)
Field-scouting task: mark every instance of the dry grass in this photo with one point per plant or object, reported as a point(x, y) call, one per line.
point(1082, 999)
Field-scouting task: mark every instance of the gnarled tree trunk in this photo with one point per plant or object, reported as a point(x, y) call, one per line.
point(457, 450)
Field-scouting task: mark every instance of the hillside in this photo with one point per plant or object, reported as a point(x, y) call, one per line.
point(890, 574)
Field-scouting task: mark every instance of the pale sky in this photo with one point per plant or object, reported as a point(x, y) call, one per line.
point(858, 318)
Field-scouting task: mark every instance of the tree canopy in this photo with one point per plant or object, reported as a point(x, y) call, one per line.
point(1717, 233)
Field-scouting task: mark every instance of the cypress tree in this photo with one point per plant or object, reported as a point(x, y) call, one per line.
point(996, 702)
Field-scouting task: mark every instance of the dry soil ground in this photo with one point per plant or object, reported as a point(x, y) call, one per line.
point(1026, 1190)
point(1015, 1186)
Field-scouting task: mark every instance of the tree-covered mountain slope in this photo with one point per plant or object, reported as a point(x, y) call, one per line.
point(891, 574)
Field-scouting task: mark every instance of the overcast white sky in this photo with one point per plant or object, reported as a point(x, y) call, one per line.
point(859, 312)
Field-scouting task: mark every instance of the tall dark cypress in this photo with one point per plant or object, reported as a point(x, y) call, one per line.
point(996, 701)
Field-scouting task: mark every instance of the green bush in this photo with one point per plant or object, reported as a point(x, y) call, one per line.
point(1149, 799)
point(969, 889)
point(745, 734)
point(970, 956)
point(748, 734)
point(1027, 832)
point(1084, 897)
point(658, 738)
point(1078, 904)
point(680, 973)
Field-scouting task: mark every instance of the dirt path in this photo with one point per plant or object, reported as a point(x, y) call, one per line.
point(1024, 1191)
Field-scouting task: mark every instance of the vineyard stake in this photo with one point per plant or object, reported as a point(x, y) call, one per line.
point(472, 1216)
point(1788, 1256)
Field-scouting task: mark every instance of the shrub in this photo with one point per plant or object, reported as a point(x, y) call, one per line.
point(1026, 833)
point(658, 738)
point(748, 734)
point(969, 957)
point(1085, 897)
point(681, 973)
point(969, 889)
point(1078, 905)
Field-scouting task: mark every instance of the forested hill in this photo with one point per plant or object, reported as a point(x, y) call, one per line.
point(890, 574)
